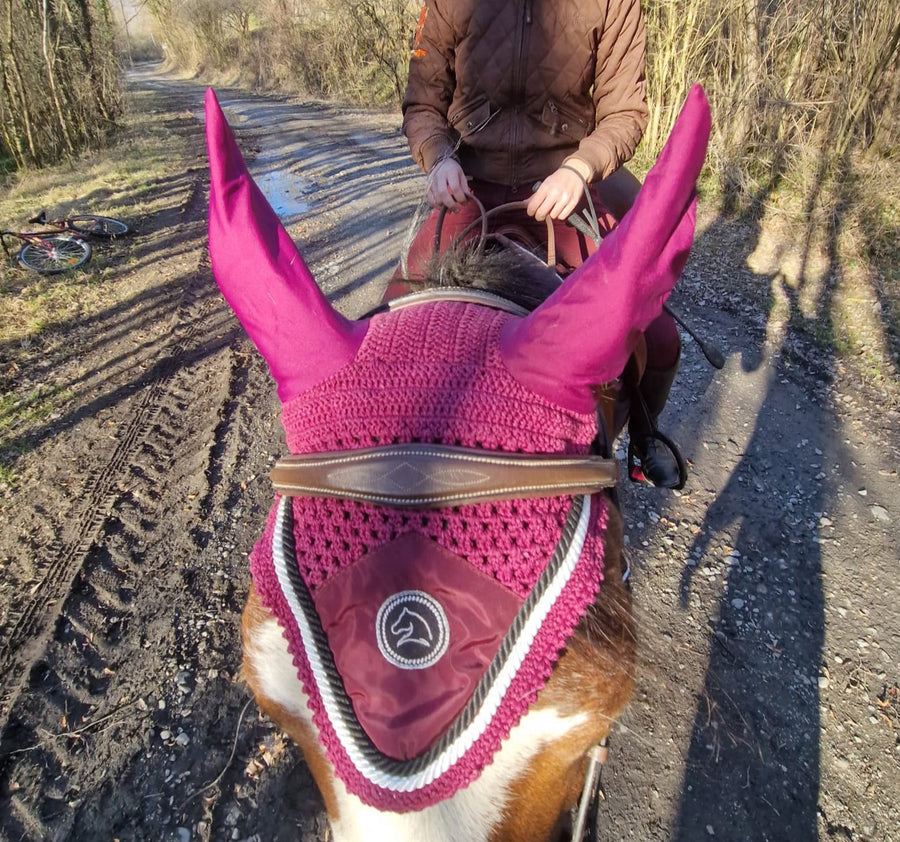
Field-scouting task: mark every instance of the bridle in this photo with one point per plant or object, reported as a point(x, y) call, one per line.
point(433, 476)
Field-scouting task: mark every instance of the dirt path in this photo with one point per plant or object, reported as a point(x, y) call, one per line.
point(768, 701)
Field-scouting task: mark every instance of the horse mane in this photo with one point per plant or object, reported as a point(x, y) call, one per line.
point(508, 271)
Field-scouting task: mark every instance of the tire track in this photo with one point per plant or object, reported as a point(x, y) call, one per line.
point(33, 629)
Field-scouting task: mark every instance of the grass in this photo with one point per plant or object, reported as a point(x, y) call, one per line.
point(105, 181)
point(35, 312)
point(20, 415)
point(120, 181)
point(34, 407)
point(34, 305)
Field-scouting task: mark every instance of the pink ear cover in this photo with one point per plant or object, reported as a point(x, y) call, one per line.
point(583, 334)
point(263, 277)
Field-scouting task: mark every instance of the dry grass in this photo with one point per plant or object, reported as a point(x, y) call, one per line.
point(805, 100)
point(354, 51)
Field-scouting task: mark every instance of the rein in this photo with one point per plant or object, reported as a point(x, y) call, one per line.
point(588, 227)
point(482, 222)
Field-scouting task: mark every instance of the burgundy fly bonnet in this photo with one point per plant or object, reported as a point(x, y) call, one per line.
point(424, 621)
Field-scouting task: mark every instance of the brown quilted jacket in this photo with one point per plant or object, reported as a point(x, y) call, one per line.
point(514, 87)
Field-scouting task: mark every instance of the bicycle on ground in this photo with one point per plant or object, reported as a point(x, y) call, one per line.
point(63, 245)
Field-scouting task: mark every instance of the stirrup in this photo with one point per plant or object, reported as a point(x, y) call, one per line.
point(635, 466)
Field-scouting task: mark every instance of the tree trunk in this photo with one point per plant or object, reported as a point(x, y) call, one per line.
point(61, 119)
point(58, 77)
point(18, 101)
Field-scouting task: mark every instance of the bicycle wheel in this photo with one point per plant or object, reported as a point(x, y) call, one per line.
point(97, 226)
point(54, 253)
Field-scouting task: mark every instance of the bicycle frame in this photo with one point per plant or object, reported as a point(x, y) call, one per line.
point(58, 226)
point(24, 236)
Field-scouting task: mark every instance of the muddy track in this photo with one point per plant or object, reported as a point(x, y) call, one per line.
point(54, 599)
point(64, 648)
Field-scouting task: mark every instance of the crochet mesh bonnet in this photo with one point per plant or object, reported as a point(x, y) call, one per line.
point(421, 637)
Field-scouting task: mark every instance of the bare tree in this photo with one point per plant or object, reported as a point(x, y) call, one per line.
point(59, 89)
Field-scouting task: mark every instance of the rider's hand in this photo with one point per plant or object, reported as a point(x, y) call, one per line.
point(556, 196)
point(447, 185)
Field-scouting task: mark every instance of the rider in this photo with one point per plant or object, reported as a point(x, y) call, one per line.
point(512, 100)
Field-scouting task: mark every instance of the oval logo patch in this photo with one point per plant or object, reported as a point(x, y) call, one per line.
point(412, 630)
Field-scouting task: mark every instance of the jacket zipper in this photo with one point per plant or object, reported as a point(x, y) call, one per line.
point(518, 90)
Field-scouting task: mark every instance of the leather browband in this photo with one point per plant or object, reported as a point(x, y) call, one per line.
point(433, 476)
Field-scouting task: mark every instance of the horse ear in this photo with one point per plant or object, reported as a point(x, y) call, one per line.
point(583, 334)
point(263, 277)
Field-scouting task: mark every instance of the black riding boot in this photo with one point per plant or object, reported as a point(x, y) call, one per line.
point(652, 456)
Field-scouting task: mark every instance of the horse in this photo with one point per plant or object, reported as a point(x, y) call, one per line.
point(438, 614)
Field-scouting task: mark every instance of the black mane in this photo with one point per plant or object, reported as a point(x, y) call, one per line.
point(509, 272)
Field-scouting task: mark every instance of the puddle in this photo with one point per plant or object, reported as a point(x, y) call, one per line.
point(285, 193)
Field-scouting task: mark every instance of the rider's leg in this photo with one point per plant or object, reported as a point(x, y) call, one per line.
point(421, 250)
point(617, 192)
point(659, 464)
point(572, 247)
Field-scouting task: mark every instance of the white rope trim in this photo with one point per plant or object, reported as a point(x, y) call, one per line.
point(457, 749)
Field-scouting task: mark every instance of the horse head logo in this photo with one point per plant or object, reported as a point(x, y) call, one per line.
point(411, 627)
point(412, 630)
